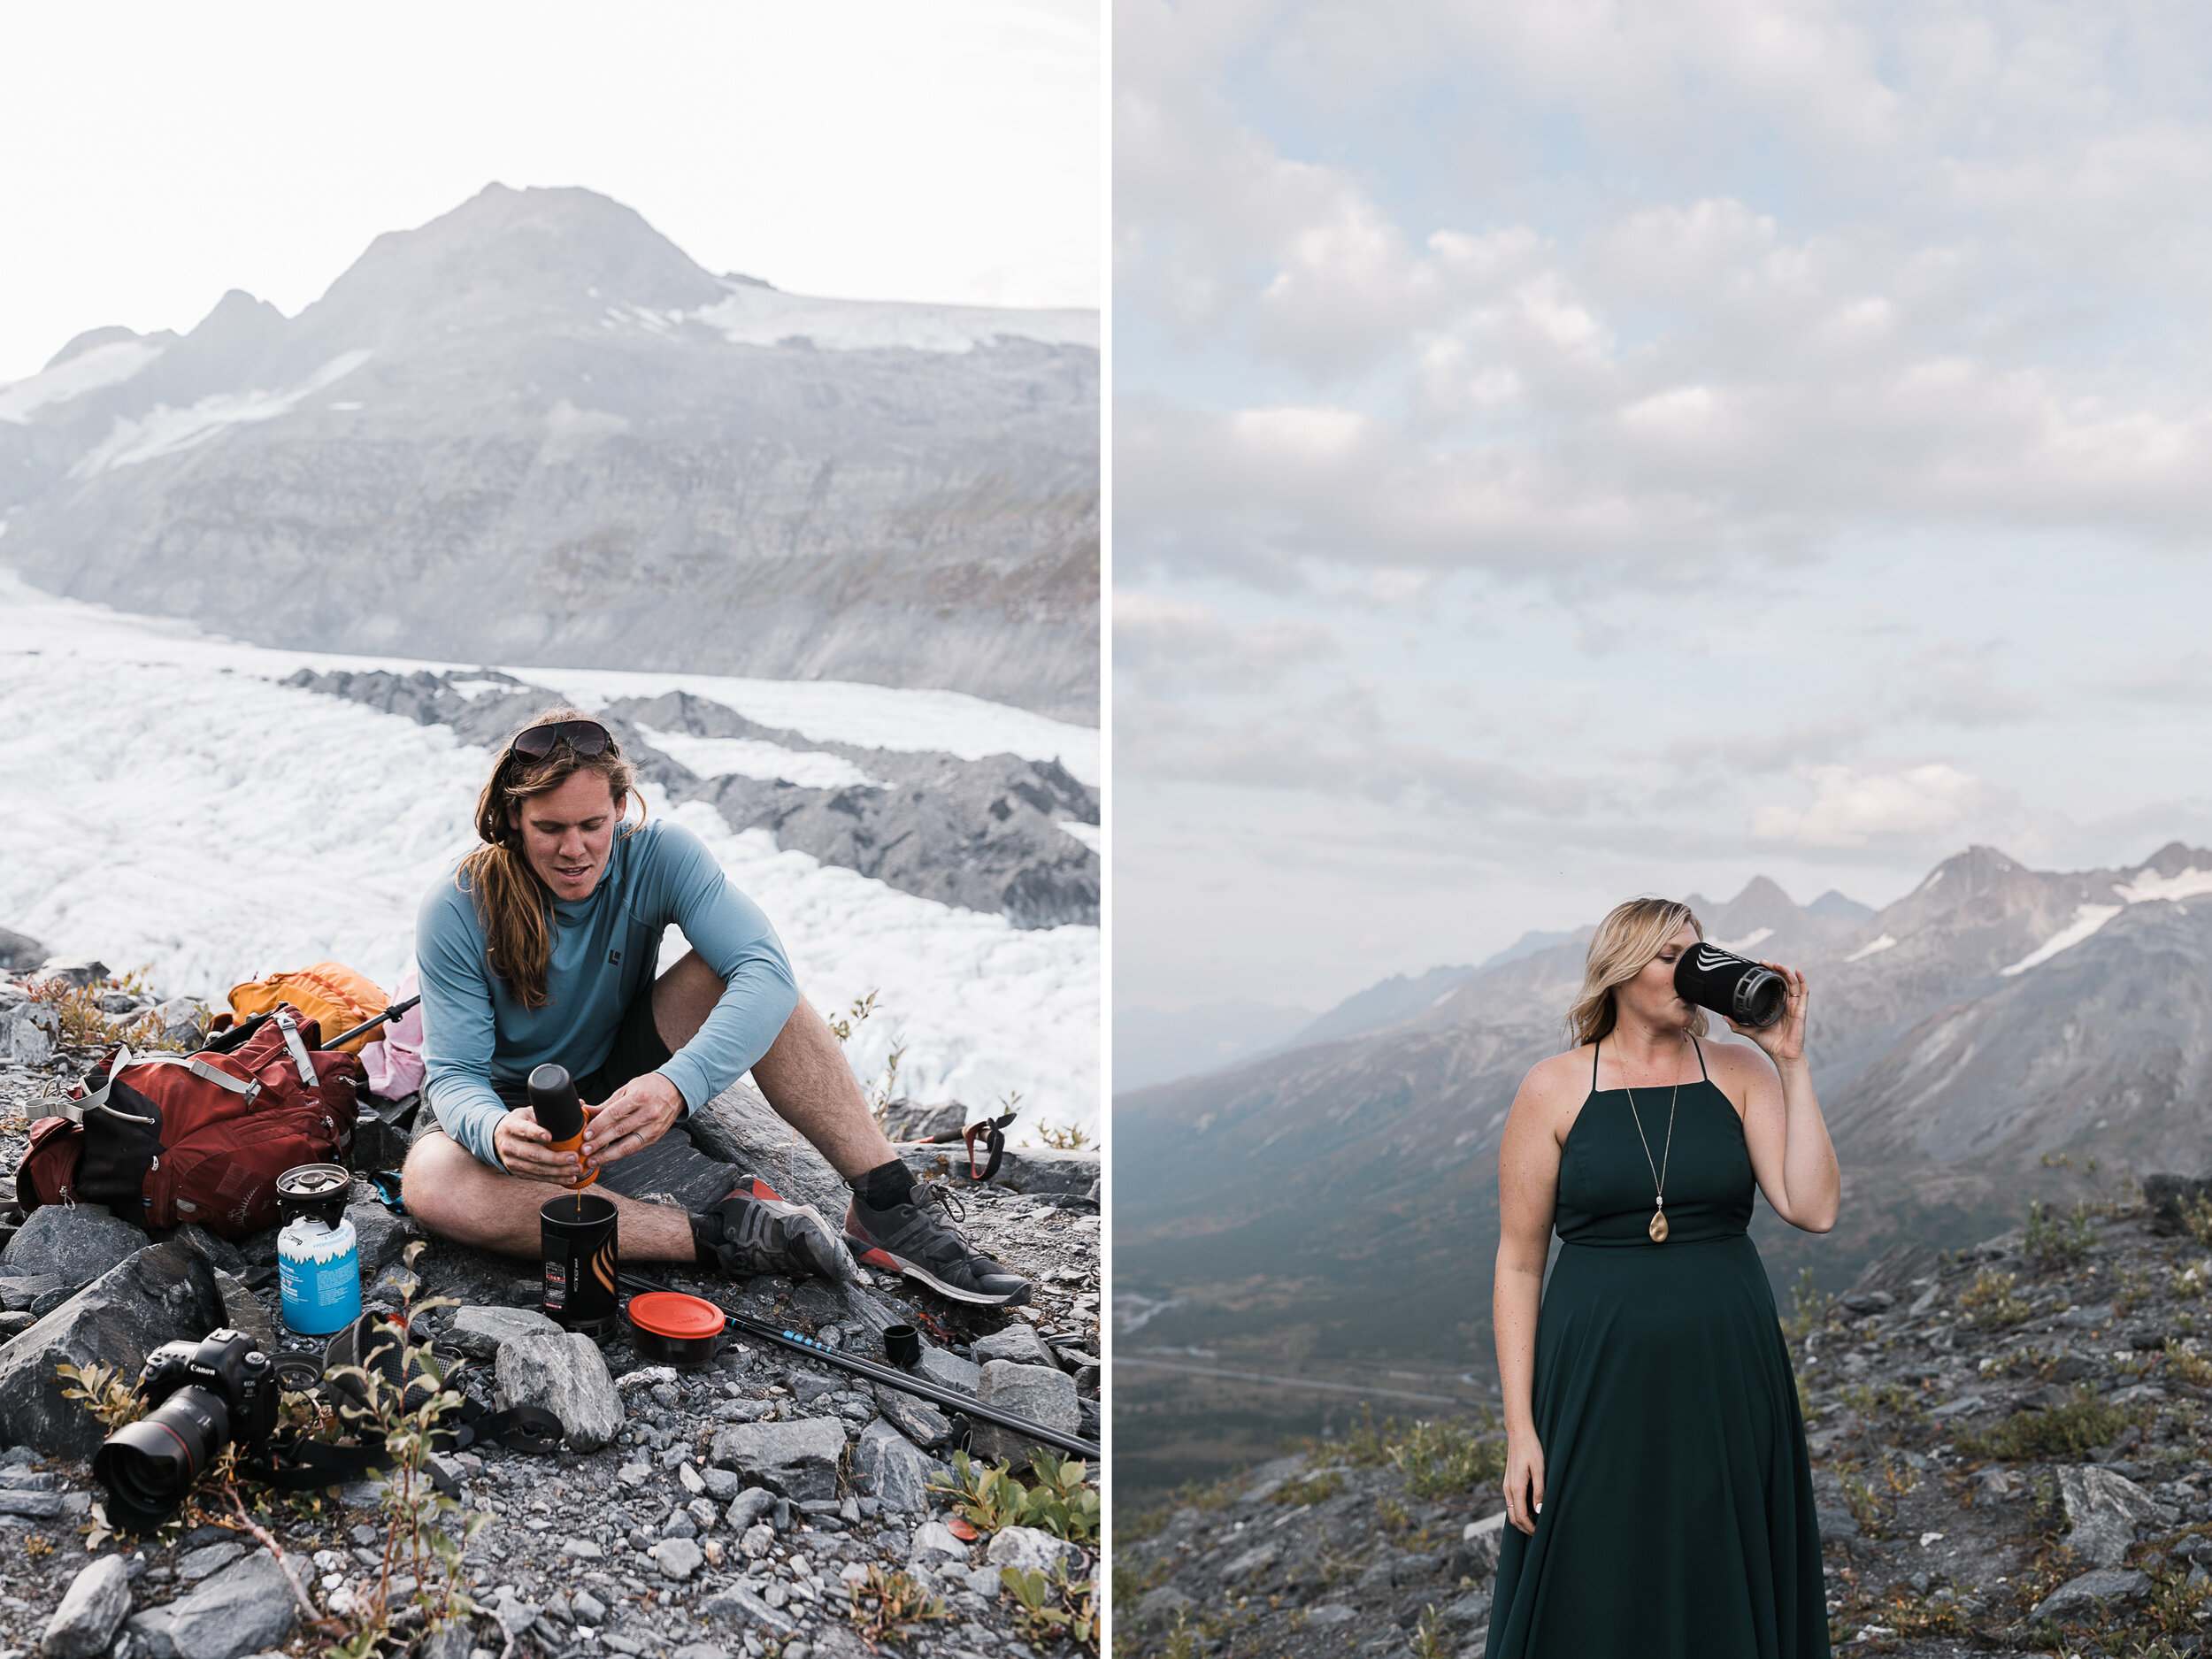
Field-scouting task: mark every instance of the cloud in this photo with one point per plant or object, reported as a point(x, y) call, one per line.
point(2180, 680)
point(1764, 749)
point(1161, 643)
point(1516, 378)
point(1935, 803)
point(1340, 744)
point(1958, 685)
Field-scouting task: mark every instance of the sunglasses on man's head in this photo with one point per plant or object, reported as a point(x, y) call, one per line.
point(584, 737)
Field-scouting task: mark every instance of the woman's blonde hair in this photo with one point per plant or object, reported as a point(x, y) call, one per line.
point(1628, 938)
point(516, 907)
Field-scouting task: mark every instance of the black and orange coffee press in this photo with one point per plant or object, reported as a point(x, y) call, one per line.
point(559, 1110)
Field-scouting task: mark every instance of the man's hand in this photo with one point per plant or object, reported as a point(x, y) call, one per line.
point(632, 1118)
point(526, 1147)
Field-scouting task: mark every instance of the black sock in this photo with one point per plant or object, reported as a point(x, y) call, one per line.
point(885, 1185)
point(706, 1232)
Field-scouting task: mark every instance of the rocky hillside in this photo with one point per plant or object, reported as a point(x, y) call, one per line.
point(534, 431)
point(764, 1504)
point(984, 834)
point(2011, 1453)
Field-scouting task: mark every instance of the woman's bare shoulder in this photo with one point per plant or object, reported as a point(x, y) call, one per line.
point(1563, 1077)
point(1730, 1062)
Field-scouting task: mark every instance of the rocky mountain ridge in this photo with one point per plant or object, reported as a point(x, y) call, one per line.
point(984, 834)
point(534, 430)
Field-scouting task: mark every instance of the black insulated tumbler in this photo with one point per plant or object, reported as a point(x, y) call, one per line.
point(577, 1239)
point(1733, 986)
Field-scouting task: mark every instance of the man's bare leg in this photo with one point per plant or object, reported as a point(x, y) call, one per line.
point(806, 1079)
point(803, 1075)
point(456, 1197)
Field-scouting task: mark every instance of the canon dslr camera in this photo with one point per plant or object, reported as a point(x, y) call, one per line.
point(204, 1395)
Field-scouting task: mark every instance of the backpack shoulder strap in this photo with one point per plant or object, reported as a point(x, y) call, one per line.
point(76, 1111)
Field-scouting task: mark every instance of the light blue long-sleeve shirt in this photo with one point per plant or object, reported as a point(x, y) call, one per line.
point(605, 949)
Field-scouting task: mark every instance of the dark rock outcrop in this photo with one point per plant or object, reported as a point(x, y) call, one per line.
point(165, 1293)
point(983, 835)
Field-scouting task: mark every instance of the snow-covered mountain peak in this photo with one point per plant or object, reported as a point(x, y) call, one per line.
point(559, 439)
point(507, 256)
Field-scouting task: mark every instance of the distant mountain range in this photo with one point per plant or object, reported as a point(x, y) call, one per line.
point(1340, 1198)
point(1152, 1046)
point(534, 431)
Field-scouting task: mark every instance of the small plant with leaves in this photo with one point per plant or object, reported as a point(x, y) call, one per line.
point(2185, 1364)
point(2196, 1215)
point(1059, 1499)
point(1063, 1137)
point(1054, 1610)
point(425, 1532)
point(1895, 1400)
point(1302, 1489)
point(883, 1088)
point(842, 1025)
point(1990, 1302)
point(892, 1607)
point(104, 1391)
point(1445, 1459)
point(1394, 1516)
point(2188, 1283)
point(2053, 1239)
point(1866, 1508)
point(2061, 1434)
point(1808, 1307)
point(84, 1024)
point(2132, 1289)
point(1431, 1639)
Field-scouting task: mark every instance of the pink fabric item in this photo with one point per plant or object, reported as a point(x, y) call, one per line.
point(395, 1064)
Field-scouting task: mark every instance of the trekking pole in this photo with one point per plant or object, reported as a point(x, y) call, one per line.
point(393, 1012)
point(950, 1398)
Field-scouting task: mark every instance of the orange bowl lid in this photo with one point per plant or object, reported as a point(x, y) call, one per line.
point(672, 1314)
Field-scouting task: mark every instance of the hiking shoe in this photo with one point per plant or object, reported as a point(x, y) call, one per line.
point(915, 1239)
point(756, 1230)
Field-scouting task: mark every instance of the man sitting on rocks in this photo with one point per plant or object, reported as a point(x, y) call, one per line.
point(540, 950)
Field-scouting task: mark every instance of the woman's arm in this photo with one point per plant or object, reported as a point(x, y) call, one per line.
point(1528, 1187)
point(1791, 1153)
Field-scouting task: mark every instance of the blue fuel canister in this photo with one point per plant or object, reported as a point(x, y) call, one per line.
point(319, 1268)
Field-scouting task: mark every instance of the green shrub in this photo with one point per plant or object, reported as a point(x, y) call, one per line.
point(1989, 1301)
point(2062, 1434)
point(2053, 1241)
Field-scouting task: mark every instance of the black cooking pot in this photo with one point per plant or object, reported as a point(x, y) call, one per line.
point(670, 1328)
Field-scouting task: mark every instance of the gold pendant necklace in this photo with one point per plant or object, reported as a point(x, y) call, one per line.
point(1658, 1228)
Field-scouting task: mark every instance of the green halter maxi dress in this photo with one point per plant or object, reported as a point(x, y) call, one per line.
point(1677, 1519)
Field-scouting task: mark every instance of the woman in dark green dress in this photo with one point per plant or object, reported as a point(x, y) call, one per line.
point(1660, 1501)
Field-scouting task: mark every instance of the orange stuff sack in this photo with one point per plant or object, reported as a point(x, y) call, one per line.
point(328, 992)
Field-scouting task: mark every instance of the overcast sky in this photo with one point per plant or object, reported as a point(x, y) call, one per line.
point(1563, 451)
point(157, 155)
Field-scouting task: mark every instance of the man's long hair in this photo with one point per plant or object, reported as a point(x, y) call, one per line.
point(514, 905)
point(1630, 936)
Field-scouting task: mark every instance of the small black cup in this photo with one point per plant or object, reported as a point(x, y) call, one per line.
point(1731, 985)
point(901, 1345)
point(576, 1236)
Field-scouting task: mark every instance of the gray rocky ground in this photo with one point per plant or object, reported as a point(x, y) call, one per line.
point(2010, 1447)
point(725, 1510)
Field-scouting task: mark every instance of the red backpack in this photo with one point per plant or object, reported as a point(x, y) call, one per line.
point(164, 1139)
